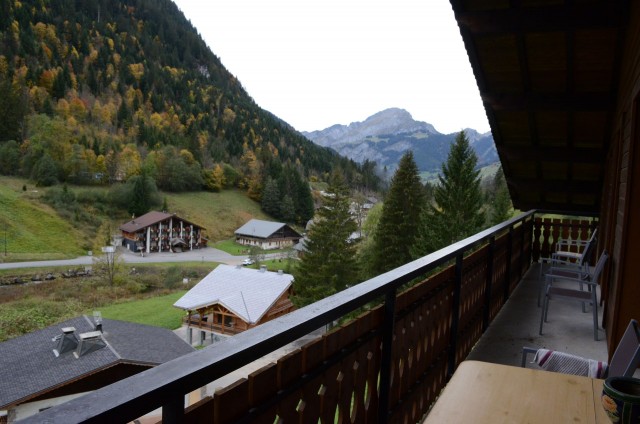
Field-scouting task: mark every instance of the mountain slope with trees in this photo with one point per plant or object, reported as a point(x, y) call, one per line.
point(97, 92)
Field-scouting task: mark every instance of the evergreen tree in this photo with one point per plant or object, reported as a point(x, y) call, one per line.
point(13, 108)
point(271, 198)
point(458, 211)
point(396, 231)
point(499, 199)
point(141, 196)
point(304, 202)
point(287, 209)
point(328, 265)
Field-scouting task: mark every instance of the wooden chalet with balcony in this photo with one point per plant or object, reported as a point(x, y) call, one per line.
point(267, 235)
point(232, 299)
point(161, 232)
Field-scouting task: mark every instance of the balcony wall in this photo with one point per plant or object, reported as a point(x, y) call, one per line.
point(414, 325)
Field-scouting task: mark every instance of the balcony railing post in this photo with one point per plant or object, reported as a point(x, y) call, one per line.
point(486, 313)
point(173, 411)
point(387, 353)
point(523, 234)
point(507, 286)
point(455, 314)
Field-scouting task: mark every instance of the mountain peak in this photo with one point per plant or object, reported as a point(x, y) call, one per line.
point(385, 136)
point(387, 122)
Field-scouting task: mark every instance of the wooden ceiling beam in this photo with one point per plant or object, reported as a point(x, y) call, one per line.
point(569, 102)
point(606, 14)
point(556, 186)
point(571, 155)
point(561, 209)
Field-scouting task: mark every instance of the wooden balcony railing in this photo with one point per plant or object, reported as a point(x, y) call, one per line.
point(387, 365)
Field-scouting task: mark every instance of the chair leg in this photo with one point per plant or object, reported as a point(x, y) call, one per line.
point(541, 281)
point(543, 312)
point(595, 315)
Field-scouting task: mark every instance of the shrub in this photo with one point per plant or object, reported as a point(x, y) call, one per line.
point(173, 277)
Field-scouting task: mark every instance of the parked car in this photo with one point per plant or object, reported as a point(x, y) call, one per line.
point(248, 262)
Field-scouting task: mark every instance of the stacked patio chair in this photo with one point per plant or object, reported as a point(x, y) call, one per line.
point(576, 280)
point(572, 255)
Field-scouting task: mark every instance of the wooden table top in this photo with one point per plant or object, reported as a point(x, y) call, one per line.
point(481, 392)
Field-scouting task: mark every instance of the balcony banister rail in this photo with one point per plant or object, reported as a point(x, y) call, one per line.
point(166, 385)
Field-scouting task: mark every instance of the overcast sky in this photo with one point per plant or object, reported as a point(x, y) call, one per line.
point(316, 63)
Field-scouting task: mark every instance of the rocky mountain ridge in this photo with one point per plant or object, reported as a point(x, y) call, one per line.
point(385, 136)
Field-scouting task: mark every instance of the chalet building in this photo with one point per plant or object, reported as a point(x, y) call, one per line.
point(161, 232)
point(232, 299)
point(267, 235)
point(53, 365)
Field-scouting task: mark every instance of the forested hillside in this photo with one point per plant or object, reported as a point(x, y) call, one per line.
point(97, 92)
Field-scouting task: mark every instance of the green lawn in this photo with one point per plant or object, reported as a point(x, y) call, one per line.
point(156, 311)
point(231, 247)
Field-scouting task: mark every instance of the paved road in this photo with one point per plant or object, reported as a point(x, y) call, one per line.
point(208, 254)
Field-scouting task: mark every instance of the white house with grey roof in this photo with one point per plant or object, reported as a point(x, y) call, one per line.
point(267, 235)
point(231, 299)
point(53, 365)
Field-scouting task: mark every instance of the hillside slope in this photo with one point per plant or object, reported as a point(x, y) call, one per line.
point(93, 92)
point(32, 229)
point(35, 231)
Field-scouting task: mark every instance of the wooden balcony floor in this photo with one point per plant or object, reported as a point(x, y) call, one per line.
point(568, 328)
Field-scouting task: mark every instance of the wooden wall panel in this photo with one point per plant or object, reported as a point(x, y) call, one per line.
point(624, 283)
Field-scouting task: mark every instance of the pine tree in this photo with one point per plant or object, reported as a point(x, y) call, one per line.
point(287, 209)
point(458, 211)
point(499, 199)
point(395, 234)
point(303, 201)
point(271, 198)
point(328, 265)
point(141, 195)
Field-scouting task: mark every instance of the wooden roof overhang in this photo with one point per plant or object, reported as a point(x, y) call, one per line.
point(548, 73)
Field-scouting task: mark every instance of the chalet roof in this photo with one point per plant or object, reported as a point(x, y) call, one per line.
point(29, 366)
point(148, 219)
point(261, 229)
point(248, 293)
point(548, 74)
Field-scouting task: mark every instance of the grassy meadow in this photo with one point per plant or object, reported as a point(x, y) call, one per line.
point(32, 229)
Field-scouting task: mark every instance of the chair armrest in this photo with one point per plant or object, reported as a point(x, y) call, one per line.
point(564, 263)
point(576, 277)
point(567, 254)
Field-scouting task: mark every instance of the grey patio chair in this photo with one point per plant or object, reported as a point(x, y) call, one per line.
point(565, 252)
point(578, 279)
point(571, 261)
point(624, 362)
